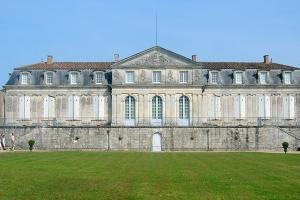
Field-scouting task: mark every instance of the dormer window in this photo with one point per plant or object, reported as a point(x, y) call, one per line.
point(238, 77)
point(263, 77)
point(287, 77)
point(98, 77)
point(25, 78)
point(73, 78)
point(214, 77)
point(49, 78)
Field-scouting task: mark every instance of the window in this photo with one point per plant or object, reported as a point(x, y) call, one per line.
point(49, 78)
point(287, 78)
point(214, 77)
point(264, 107)
point(263, 77)
point(129, 108)
point(24, 107)
point(74, 78)
point(240, 107)
point(24, 78)
point(49, 107)
point(288, 107)
point(238, 77)
point(98, 77)
point(156, 77)
point(184, 108)
point(183, 77)
point(129, 77)
point(98, 103)
point(157, 108)
point(73, 107)
point(215, 107)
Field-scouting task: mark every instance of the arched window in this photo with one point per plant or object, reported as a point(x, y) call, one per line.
point(184, 107)
point(157, 107)
point(129, 108)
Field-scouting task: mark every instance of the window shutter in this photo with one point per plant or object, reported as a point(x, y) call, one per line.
point(213, 107)
point(96, 106)
point(71, 107)
point(268, 106)
point(261, 105)
point(76, 107)
point(101, 107)
point(46, 107)
point(292, 107)
point(27, 107)
point(21, 107)
point(243, 106)
point(285, 105)
point(51, 109)
point(237, 107)
point(218, 105)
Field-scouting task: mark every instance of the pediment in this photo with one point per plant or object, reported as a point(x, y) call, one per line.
point(156, 56)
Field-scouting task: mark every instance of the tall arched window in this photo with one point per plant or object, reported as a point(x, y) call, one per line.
point(129, 108)
point(184, 108)
point(157, 108)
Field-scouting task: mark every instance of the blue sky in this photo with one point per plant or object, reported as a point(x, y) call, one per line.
point(93, 30)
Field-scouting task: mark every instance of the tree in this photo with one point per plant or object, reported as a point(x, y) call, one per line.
point(31, 143)
point(285, 146)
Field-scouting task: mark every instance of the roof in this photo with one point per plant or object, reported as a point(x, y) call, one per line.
point(245, 65)
point(67, 66)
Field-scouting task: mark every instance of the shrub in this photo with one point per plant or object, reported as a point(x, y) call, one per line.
point(31, 143)
point(285, 146)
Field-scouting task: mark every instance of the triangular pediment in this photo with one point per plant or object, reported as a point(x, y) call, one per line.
point(156, 56)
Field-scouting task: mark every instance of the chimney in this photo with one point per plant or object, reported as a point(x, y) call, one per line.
point(50, 59)
point(266, 59)
point(194, 58)
point(116, 57)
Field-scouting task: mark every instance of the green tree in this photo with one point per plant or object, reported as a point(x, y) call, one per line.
point(285, 146)
point(31, 143)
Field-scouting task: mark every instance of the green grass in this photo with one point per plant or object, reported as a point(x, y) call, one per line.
point(117, 175)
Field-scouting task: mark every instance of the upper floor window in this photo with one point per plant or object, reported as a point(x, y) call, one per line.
point(49, 78)
point(25, 78)
point(74, 78)
point(238, 77)
point(263, 77)
point(183, 77)
point(287, 77)
point(214, 77)
point(129, 77)
point(156, 77)
point(98, 77)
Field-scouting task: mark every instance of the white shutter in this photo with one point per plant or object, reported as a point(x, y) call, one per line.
point(237, 107)
point(268, 106)
point(213, 107)
point(51, 108)
point(21, 107)
point(46, 107)
point(243, 106)
point(292, 107)
point(218, 106)
point(261, 105)
point(285, 106)
point(96, 107)
point(27, 107)
point(101, 107)
point(71, 107)
point(76, 107)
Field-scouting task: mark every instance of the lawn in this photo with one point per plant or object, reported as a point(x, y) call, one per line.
point(118, 175)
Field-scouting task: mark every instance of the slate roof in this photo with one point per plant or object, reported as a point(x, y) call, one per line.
point(67, 66)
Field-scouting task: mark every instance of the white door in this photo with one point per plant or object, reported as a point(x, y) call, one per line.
point(156, 142)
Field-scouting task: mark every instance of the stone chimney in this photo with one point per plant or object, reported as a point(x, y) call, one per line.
point(194, 58)
point(116, 57)
point(50, 59)
point(266, 59)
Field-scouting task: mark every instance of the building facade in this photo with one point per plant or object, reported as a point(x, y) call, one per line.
point(155, 100)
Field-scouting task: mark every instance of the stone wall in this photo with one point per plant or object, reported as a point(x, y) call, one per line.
point(140, 139)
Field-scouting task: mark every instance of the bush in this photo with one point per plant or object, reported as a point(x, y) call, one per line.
point(31, 143)
point(285, 146)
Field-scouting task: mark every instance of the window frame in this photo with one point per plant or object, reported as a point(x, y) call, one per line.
point(95, 77)
point(22, 74)
point(71, 73)
point(211, 77)
point(126, 76)
point(284, 77)
point(235, 77)
point(155, 77)
point(185, 76)
point(260, 77)
point(46, 77)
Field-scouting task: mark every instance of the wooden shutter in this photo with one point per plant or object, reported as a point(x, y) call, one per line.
point(285, 107)
point(243, 106)
point(268, 107)
point(261, 105)
point(237, 107)
point(76, 107)
point(292, 107)
point(46, 107)
point(21, 107)
point(27, 107)
point(71, 107)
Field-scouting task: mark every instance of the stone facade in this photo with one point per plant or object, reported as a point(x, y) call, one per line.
point(154, 100)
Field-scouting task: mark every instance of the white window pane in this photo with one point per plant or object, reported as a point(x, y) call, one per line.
point(49, 78)
point(129, 77)
point(24, 78)
point(98, 77)
point(183, 77)
point(156, 77)
point(263, 77)
point(74, 78)
point(287, 77)
point(238, 77)
point(214, 77)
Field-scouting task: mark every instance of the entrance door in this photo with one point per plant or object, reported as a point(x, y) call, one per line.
point(156, 142)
